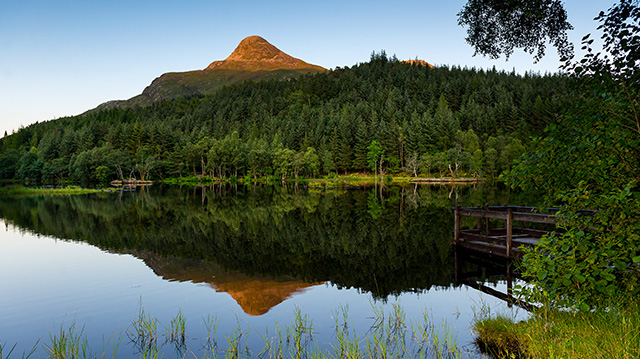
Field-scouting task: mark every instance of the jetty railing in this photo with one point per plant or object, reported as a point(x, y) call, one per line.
point(501, 241)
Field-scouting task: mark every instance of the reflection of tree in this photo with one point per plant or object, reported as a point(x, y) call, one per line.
point(266, 231)
point(374, 206)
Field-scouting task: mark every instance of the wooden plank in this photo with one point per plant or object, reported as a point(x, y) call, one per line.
point(457, 226)
point(483, 213)
point(509, 226)
point(483, 247)
point(486, 222)
point(494, 233)
point(533, 232)
point(520, 239)
point(517, 216)
point(529, 241)
point(522, 209)
point(534, 217)
point(466, 237)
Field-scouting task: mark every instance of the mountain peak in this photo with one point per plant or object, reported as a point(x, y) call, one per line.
point(254, 53)
point(255, 48)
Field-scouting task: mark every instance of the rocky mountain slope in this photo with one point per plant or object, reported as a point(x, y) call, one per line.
point(254, 59)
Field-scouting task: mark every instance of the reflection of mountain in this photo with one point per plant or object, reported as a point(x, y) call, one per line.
point(256, 295)
point(384, 243)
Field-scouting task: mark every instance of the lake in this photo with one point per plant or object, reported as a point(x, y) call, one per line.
point(244, 268)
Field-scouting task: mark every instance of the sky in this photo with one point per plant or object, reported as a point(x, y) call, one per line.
point(62, 58)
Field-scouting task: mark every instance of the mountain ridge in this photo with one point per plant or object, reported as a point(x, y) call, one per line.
point(253, 59)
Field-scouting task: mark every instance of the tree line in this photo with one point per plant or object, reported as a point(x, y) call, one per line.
point(430, 121)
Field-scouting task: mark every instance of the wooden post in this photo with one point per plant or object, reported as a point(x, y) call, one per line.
point(458, 264)
point(509, 227)
point(486, 221)
point(509, 279)
point(479, 225)
point(457, 225)
point(509, 285)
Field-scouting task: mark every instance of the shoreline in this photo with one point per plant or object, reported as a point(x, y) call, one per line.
point(352, 181)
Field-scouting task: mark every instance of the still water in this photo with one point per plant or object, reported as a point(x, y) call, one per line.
point(251, 259)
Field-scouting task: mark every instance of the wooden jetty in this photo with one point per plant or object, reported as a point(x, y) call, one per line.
point(505, 241)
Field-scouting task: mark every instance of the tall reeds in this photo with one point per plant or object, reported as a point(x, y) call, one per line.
point(388, 336)
point(143, 331)
point(177, 328)
point(69, 343)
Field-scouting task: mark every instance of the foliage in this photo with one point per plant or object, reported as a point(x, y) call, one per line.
point(411, 111)
point(374, 155)
point(591, 160)
point(497, 27)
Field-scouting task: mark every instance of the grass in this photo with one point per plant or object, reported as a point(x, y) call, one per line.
point(21, 190)
point(211, 324)
point(611, 331)
point(177, 328)
point(500, 337)
point(330, 181)
point(143, 331)
point(69, 343)
point(389, 336)
point(300, 334)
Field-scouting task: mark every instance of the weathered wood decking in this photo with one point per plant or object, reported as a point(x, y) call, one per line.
point(502, 242)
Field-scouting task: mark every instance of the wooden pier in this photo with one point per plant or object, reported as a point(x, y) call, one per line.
point(505, 241)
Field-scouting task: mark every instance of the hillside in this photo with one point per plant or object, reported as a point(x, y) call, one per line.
point(254, 59)
point(432, 120)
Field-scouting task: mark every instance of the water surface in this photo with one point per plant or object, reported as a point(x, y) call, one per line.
point(248, 256)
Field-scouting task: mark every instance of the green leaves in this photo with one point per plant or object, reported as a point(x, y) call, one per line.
point(584, 307)
point(542, 275)
point(589, 161)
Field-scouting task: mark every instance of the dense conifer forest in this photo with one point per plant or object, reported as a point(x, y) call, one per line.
point(402, 117)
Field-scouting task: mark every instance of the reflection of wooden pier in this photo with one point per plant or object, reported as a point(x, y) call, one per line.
point(473, 271)
point(503, 242)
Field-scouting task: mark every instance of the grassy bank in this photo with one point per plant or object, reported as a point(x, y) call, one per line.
point(21, 190)
point(330, 181)
point(609, 332)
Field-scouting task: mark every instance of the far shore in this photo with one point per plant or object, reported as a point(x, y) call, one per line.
point(356, 180)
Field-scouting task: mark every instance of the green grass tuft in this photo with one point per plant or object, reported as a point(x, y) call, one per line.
point(500, 337)
point(21, 190)
point(611, 331)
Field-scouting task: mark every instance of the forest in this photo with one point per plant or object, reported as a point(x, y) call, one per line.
point(384, 114)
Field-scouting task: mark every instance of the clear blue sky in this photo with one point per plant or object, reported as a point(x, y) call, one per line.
point(61, 58)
